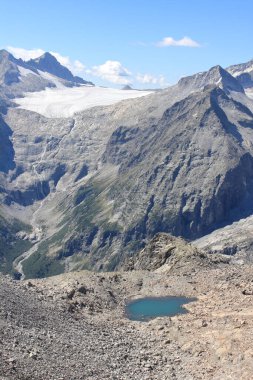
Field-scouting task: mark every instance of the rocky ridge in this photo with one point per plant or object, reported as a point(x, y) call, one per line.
point(167, 253)
point(243, 73)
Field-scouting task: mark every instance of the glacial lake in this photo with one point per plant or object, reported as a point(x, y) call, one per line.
point(144, 309)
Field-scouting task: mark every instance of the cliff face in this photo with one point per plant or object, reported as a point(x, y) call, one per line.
point(183, 166)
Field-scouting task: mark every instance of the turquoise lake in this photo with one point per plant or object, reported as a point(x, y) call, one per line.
point(144, 309)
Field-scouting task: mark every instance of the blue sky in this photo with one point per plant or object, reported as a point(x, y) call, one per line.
point(115, 42)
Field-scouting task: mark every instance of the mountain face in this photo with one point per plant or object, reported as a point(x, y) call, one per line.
point(8, 69)
point(48, 63)
point(92, 189)
point(181, 170)
point(243, 73)
point(18, 77)
point(215, 76)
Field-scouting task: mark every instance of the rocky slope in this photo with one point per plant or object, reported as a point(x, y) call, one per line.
point(234, 240)
point(243, 73)
point(74, 326)
point(95, 187)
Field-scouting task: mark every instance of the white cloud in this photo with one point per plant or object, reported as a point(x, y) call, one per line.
point(185, 41)
point(112, 71)
point(151, 79)
point(75, 67)
point(79, 66)
point(24, 53)
point(115, 72)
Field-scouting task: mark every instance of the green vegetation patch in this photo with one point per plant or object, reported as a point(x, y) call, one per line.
point(40, 265)
point(11, 246)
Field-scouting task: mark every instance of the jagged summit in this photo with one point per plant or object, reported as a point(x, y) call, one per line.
point(215, 76)
point(48, 57)
point(48, 63)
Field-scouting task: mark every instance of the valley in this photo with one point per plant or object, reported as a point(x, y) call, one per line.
point(109, 196)
point(126, 190)
point(95, 182)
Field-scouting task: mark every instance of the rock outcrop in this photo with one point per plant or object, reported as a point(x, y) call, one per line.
point(167, 253)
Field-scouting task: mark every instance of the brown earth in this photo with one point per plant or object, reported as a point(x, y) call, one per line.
point(73, 326)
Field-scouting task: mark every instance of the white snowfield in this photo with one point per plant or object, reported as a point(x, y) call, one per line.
point(64, 101)
point(249, 93)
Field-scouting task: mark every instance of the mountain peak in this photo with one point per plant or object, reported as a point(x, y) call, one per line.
point(4, 52)
point(216, 76)
point(127, 87)
point(8, 69)
point(46, 57)
point(48, 63)
point(5, 55)
point(216, 68)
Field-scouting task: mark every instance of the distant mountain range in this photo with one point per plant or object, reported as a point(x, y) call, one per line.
point(90, 189)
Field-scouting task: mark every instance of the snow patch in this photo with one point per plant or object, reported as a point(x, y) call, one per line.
point(57, 82)
point(64, 101)
point(49, 77)
point(24, 72)
point(249, 93)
